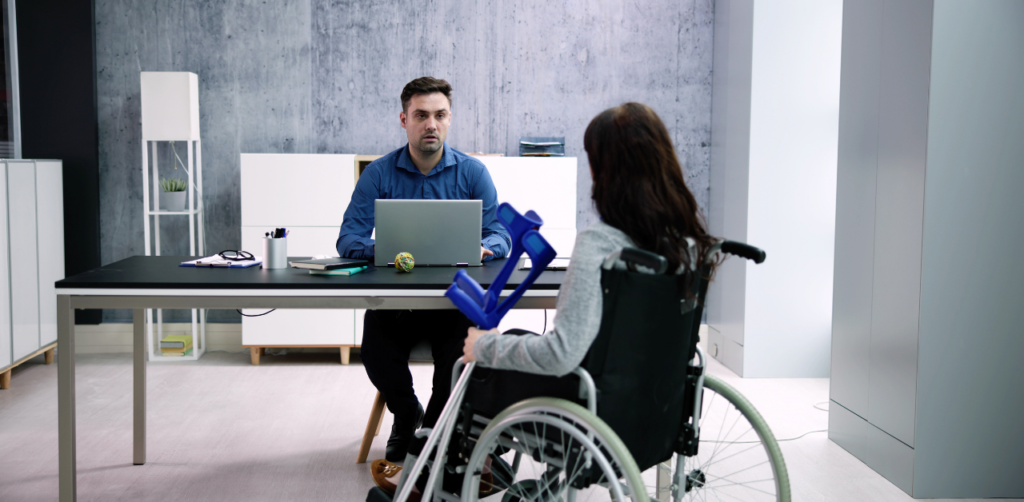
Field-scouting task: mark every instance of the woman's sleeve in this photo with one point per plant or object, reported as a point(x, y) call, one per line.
point(576, 323)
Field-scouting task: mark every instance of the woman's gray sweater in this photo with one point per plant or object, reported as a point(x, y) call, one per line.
point(577, 321)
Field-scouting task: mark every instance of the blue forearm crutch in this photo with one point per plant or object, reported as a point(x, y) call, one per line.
point(486, 310)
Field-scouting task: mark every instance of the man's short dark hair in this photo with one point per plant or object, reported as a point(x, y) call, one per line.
point(425, 85)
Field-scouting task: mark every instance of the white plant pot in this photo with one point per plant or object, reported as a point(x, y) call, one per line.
point(173, 201)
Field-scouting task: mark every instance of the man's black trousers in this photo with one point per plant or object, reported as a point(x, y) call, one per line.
point(389, 336)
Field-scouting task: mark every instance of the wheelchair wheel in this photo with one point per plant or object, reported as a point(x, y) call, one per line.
point(738, 457)
point(559, 452)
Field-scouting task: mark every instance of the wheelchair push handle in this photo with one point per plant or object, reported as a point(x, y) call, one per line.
point(744, 251)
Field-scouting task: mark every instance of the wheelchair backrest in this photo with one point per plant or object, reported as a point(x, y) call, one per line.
point(639, 360)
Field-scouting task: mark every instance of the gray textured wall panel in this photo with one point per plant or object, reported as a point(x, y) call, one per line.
point(517, 69)
point(252, 58)
point(324, 76)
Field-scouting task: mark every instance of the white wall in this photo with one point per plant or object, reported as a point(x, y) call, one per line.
point(790, 189)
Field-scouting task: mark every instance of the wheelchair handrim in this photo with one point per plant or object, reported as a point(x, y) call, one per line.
point(528, 411)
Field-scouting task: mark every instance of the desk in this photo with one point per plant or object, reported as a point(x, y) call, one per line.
point(144, 282)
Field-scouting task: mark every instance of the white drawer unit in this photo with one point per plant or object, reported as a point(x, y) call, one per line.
point(308, 194)
point(31, 259)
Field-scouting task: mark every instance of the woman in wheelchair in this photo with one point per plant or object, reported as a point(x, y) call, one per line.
point(622, 343)
point(643, 201)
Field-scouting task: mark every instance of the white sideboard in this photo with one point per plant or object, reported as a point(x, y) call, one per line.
point(308, 195)
point(31, 259)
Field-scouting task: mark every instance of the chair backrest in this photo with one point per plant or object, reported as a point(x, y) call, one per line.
point(640, 357)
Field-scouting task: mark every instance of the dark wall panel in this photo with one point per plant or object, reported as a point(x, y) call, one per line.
point(56, 65)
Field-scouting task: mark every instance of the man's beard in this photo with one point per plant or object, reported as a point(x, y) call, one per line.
point(429, 148)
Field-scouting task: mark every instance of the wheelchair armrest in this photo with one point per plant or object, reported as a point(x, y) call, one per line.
point(653, 261)
point(588, 389)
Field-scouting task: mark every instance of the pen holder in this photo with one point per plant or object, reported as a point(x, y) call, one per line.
point(275, 253)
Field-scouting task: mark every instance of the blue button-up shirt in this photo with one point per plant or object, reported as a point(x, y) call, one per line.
point(394, 176)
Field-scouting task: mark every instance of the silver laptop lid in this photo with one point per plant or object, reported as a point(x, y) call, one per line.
point(435, 232)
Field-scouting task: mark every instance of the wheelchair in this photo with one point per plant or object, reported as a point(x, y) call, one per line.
point(635, 404)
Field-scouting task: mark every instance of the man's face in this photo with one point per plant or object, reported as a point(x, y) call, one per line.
point(426, 122)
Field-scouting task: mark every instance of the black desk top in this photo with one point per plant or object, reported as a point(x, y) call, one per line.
point(163, 272)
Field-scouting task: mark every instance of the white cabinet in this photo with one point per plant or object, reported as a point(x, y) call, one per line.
point(31, 257)
point(308, 195)
point(545, 185)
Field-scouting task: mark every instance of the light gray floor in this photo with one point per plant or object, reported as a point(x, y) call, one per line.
point(221, 429)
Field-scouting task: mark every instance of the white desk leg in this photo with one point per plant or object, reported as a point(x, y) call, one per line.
point(139, 372)
point(66, 398)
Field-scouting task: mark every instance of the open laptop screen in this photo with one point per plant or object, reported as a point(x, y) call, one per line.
point(434, 232)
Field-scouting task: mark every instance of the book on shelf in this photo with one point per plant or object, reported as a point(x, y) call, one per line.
point(176, 342)
point(176, 354)
point(176, 351)
point(328, 263)
point(339, 271)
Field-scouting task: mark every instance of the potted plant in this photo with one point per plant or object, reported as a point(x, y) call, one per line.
point(173, 198)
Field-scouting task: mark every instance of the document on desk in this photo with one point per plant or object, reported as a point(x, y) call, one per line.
point(218, 261)
point(556, 264)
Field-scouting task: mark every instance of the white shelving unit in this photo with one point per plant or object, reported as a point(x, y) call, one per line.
point(170, 113)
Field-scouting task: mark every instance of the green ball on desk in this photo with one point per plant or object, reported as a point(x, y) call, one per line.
point(404, 262)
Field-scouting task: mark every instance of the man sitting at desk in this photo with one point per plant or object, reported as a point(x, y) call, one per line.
point(426, 168)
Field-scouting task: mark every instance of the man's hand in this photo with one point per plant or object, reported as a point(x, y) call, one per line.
point(484, 252)
point(467, 349)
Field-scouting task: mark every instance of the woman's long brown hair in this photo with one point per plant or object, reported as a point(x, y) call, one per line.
point(638, 184)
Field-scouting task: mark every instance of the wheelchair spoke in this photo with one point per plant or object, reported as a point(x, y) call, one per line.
point(734, 460)
point(719, 494)
point(754, 446)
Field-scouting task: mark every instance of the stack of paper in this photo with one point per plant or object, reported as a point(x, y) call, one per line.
point(176, 345)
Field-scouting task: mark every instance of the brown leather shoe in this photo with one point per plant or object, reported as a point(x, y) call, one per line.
point(382, 470)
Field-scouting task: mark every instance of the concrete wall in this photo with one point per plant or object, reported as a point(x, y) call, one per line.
point(324, 76)
point(320, 76)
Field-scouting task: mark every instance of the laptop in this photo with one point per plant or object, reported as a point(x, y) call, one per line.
point(437, 233)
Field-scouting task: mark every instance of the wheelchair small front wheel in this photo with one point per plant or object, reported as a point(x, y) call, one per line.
point(738, 457)
point(563, 453)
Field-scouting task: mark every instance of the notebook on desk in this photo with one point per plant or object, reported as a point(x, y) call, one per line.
point(443, 233)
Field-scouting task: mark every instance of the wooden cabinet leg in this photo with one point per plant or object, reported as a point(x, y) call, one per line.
point(373, 424)
point(345, 353)
point(5, 380)
point(48, 355)
point(254, 354)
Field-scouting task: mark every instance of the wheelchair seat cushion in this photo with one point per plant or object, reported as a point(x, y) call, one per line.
point(490, 391)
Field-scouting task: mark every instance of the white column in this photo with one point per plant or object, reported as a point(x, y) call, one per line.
point(774, 148)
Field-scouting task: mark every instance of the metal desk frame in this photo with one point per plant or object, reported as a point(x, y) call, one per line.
point(69, 299)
